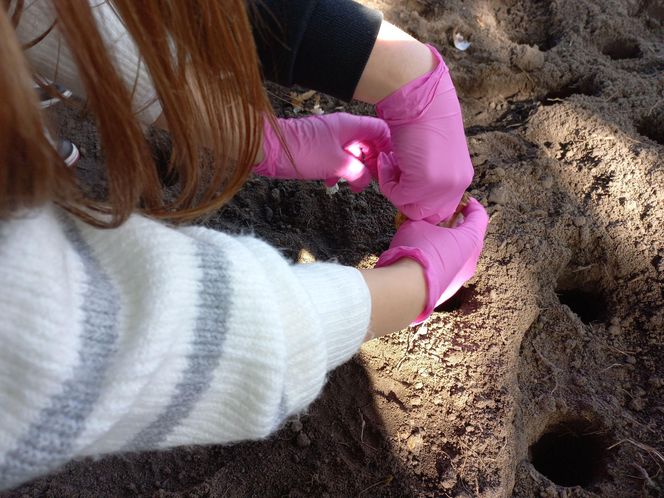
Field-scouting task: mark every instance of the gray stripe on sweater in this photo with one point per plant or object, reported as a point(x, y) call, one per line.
point(49, 440)
point(206, 348)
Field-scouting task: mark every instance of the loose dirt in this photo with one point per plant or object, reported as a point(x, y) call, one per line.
point(543, 377)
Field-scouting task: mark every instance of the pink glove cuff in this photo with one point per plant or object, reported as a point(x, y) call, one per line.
point(270, 145)
point(395, 254)
point(399, 108)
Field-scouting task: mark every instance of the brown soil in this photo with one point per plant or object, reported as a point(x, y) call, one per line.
point(543, 376)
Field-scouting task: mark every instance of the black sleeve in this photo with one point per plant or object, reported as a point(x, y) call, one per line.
point(319, 44)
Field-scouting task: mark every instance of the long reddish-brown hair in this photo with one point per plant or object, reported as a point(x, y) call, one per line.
point(202, 60)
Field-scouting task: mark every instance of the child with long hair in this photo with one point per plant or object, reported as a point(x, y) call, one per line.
point(121, 332)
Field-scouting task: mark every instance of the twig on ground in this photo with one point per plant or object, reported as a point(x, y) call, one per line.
point(645, 475)
point(363, 425)
point(405, 355)
point(626, 353)
point(383, 482)
point(654, 106)
point(614, 365)
point(652, 452)
point(549, 364)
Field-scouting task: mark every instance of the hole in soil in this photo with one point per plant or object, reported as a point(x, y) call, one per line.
point(652, 127)
point(589, 306)
point(457, 301)
point(623, 49)
point(571, 453)
point(585, 86)
point(529, 22)
point(580, 288)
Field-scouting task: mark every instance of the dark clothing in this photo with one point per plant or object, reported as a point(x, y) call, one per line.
point(319, 44)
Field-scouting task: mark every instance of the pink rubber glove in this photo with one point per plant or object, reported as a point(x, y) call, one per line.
point(328, 147)
point(431, 158)
point(448, 255)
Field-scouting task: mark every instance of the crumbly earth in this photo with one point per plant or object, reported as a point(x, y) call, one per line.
point(543, 377)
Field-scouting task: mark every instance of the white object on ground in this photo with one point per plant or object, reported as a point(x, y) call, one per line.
point(460, 42)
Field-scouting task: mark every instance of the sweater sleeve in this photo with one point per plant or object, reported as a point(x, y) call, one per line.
point(146, 337)
point(318, 44)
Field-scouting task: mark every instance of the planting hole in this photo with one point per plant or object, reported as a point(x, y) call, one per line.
point(571, 453)
point(623, 49)
point(589, 306)
point(580, 289)
point(585, 86)
point(652, 126)
point(457, 301)
point(530, 22)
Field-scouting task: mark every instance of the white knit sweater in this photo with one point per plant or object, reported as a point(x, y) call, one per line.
point(146, 336)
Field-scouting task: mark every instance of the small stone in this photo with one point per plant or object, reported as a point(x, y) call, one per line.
point(416, 401)
point(656, 382)
point(269, 214)
point(527, 58)
point(614, 330)
point(579, 221)
point(499, 172)
point(415, 443)
point(637, 404)
point(579, 380)
point(547, 182)
point(303, 440)
point(419, 386)
point(486, 403)
point(449, 479)
point(631, 360)
point(296, 426)
point(275, 193)
point(498, 195)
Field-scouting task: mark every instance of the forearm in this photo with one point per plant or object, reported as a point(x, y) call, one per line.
point(398, 295)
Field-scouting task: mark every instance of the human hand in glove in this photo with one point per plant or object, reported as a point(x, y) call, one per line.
point(448, 255)
point(327, 147)
point(430, 168)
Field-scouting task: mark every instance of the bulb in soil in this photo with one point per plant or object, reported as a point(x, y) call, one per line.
point(400, 218)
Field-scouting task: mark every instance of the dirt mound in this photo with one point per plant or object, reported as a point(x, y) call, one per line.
point(543, 376)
